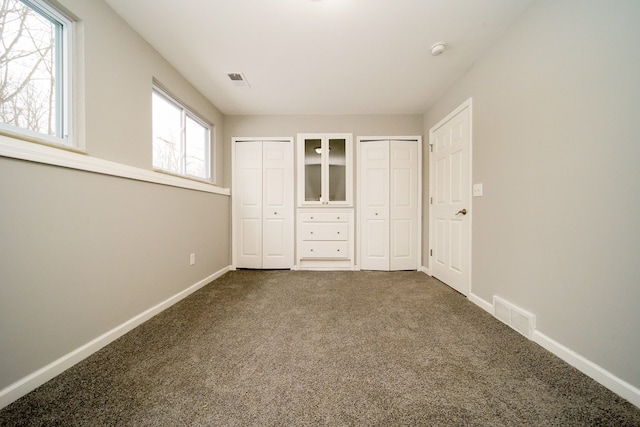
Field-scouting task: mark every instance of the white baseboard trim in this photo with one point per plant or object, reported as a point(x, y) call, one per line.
point(486, 306)
point(587, 367)
point(23, 386)
point(425, 270)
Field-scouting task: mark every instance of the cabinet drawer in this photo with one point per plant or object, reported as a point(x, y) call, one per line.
point(324, 217)
point(324, 231)
point(311, 249)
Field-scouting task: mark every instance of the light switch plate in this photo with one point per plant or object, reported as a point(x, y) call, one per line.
point(477, 190)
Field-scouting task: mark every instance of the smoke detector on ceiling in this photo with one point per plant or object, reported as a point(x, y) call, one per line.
point(238, 79)
point(438, 48)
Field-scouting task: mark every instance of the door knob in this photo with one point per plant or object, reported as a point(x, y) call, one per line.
point(462, 211)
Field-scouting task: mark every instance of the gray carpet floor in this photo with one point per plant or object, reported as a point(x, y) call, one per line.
point(287, 348)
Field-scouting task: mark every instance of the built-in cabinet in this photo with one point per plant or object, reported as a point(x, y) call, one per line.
point(325, 239)
point(325, 219)
point(263, 203)
point(389, 203)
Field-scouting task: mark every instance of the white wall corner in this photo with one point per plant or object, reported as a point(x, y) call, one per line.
point(23, 386)
point(587, 367)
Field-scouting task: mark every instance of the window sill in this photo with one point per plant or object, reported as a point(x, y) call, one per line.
point(23, 150)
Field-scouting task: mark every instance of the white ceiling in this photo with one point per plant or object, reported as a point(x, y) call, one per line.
point(320, 56)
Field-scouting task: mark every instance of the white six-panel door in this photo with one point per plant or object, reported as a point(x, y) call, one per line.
point(389, 204)
point(263, 204)
point(450, 207)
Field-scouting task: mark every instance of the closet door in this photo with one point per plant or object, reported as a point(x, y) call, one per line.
point(263, 204)
point(388, 189)
point(277, 212)
point(247, 199)
point(373, 184)
point(403, 210)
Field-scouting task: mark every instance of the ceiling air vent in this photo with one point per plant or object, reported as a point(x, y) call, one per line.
point(238, 79)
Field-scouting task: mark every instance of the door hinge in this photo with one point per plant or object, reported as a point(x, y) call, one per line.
point(431, 148)
point(430, 200)
point(430, 252)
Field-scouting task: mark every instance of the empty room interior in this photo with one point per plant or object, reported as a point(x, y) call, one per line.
point(272, 167)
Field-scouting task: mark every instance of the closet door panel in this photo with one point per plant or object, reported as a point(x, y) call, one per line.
point(277, 190)
point(403, 205)
point(248, 202)
point(401, 230)
point(377, 249)
point(251, 247)
point(274, 246)
point(374, 205)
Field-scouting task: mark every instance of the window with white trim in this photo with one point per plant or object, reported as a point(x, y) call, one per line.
point(181, 140)
point(35, 77)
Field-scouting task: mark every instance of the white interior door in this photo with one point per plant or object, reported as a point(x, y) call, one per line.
point(247, 199)
point(374, 205)
point(403, 210)
point(450, 203)
point(277, 213)
point(263, 204)
point(389, 204)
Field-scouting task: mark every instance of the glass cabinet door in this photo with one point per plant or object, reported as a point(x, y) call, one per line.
point(324, 169)
point(337, 170)
point(312, 170)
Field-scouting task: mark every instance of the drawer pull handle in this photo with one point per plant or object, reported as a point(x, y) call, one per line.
point(376, 213)
point(311, 217)
point(312, 232)
point(338, 250)
point(275, 213)
point(311, 250)
point(338, 217)
point(338, 232)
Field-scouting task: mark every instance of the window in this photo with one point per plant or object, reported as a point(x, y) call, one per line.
point(34, 70)
point(181, 140)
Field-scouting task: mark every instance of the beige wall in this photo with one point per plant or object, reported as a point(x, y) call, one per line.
point(81, 253)
point(290, 125)
point(555, 143)
point(119, 67)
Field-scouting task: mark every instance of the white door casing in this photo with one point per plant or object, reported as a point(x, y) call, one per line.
point(389, 204)
point(450, 199)
point(262, 200)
